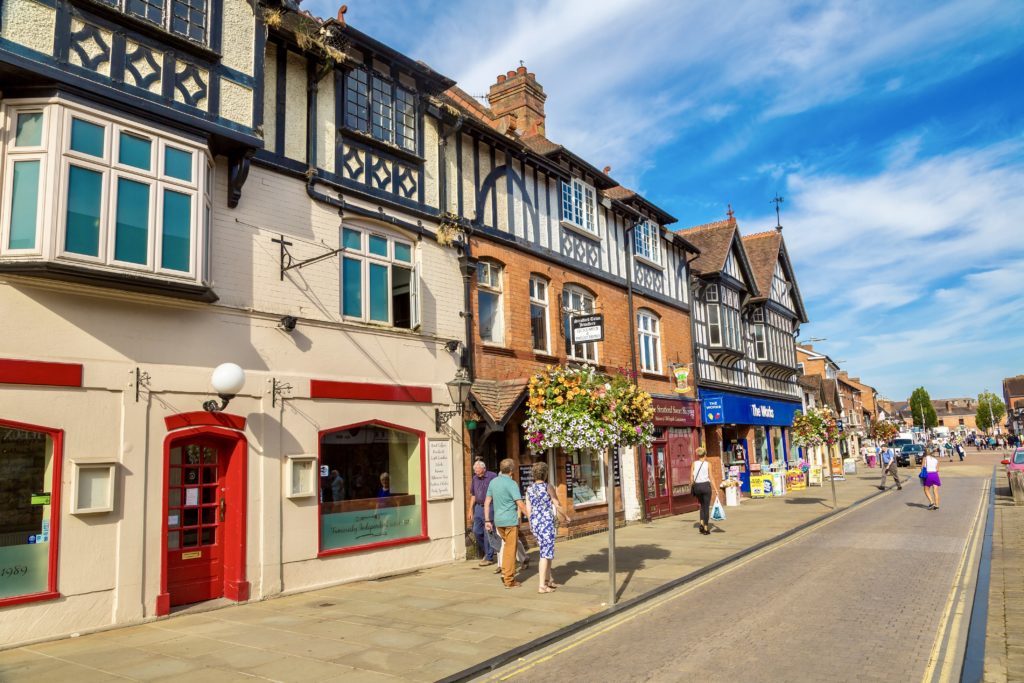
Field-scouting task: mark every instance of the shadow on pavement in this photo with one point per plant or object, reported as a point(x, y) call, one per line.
point(627, 558)
point(804, 501)
point(916, 505)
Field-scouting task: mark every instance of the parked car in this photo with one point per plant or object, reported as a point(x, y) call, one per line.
point(1014, 462)
point(910, 450)
point(898, 444)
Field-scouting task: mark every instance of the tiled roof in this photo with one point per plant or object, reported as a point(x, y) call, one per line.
point(825, 391)
point(958, 406)
point(619, 192)
point(499, 398)
point(1014, 386)
point(763, 253)
point(713, 240)
point(540, 144)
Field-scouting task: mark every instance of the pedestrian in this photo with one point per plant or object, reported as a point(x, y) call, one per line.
point(337, 486)
point(543, 509)
point(890, 466)
point(503, 493)
point(477, 495)
point(700, 475)
point(960, 451)
point(930, 480)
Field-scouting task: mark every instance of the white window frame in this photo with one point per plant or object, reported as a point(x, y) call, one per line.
point(589, 348)
point(715, 325)
point(543, 303)
point(648, 327)
point(647, 243)
point(366, 258)
point(495, 286)
point(760, 342)
point(579, 206)
point(11, 154)
point(711, 293)
point(603, 498)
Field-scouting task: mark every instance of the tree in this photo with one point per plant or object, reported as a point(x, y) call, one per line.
point(921, 409)
point(990, 411)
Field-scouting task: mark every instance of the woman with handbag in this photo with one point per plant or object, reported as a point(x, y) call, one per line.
point(543, 508)
point(930, 479)
point(700, 475)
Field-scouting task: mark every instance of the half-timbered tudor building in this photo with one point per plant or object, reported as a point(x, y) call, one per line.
point(187, 184)
point(747, 311)
point(552, 236)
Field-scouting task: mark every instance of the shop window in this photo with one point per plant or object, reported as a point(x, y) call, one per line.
point(370, 487)
point(29, 466)
point(489, 306)
point(379, 279)
point(649, 331)
point(587, 478)
point(539, 314)
point(761, 447)
point(576, 301)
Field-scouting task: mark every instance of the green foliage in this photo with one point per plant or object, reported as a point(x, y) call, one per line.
point(991, 411)
point(921, 409)
point(818, 426)
point(884, 431)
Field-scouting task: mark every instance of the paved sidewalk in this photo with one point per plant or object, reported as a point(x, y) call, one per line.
point(1004, 637)
point(420, 626)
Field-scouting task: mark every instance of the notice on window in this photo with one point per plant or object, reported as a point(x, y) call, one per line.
point(192, 497)
point(40, 499)
point(439, 470)
point(525, 478)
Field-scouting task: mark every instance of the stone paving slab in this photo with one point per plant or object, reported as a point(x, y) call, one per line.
point(424, 625)
point(1004, 636)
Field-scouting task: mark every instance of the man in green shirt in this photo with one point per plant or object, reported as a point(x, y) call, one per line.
point(503, 492)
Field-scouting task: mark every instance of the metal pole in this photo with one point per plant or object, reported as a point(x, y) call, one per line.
point(611, 527)
point(831, 474)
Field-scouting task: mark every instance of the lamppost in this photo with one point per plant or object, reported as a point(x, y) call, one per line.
point(227, 380)
point(458, 389)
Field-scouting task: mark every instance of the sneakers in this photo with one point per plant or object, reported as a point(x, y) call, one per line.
point(931, 506)
point(485, 563)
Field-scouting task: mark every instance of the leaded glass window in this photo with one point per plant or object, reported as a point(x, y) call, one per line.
point(379, 107)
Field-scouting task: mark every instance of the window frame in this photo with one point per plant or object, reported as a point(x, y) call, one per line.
point(396, 93)
point(647, 243)
point(577, 454)
point(57, 458)
point(545, 305)
point(496, 290)
point(366, 258)
point(714, 326)
point(10, 154)
point(653, 333)
point(760, 342)
point(577, 196)
point(166, 17)
point(423, 535)
point(567, 312)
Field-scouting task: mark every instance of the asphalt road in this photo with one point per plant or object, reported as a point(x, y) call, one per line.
point(867, 596)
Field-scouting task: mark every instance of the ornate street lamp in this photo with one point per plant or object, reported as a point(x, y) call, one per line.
point(458, 389)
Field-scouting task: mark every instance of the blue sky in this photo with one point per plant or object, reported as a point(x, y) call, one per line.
point(894, 131)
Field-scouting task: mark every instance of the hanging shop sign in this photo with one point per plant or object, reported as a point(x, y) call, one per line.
point(587, 328)
point(682, 375)
point(714, 410)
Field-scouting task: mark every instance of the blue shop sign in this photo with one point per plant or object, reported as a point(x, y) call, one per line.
point(728, 408)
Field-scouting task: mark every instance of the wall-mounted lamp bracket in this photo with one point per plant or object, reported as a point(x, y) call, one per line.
point(441, 417)
point(141, 379)
point(288, 261)
point(278, 391)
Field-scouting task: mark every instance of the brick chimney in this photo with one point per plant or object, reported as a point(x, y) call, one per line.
point(519, 99)
point(949, 406)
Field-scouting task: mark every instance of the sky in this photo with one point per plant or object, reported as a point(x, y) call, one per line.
point(893, 131)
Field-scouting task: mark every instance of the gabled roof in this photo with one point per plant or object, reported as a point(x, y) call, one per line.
point(1013, 386)
point(715, 241)
point(764, 250)
point(498, 399)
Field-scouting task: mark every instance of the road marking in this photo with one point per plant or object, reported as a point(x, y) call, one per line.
point(943, 671)
point(527, 664)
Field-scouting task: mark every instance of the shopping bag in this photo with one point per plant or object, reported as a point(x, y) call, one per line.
point(717, 511)
point(493, 538)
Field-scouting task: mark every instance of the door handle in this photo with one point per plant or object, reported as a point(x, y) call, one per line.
point(223, 506)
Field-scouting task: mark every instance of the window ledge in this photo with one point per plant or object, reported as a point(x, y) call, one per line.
point(657, 376)
point(580, 230)
point(545, 358)
point(497, 350)
point(353, 135)
point(126, 280)
point(648, 262)
point(591, 504)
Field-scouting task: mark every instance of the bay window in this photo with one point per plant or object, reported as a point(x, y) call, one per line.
point(539, 314)
point(489, 304)
point(117, 194)
point(576, 301)
point(379, 278)
point(649, 331)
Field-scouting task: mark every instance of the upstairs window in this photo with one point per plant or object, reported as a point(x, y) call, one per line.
point(488, 298)
point(380, 108)
point(577, 301)
point(760, 345)
point(649, 331)
point(539, 314)
point(711, 294)
point(186, 18)
point(647, 242)
point(579, 206)
point(379, 279)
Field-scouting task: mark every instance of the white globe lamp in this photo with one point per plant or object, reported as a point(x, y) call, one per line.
point(227, 380)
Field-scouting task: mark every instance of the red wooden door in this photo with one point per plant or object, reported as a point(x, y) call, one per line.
point(656, 480)
point(196, 511)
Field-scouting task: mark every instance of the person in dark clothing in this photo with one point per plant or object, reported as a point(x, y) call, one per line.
point(700, 475)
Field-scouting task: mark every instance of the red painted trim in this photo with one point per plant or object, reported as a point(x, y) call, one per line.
point(201, 418)
point(57, 436)
point(423, 490)
point(235, 583)
point(364, 391)
point(40, 373)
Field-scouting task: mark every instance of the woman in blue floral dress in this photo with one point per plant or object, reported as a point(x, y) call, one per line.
point(542, 506)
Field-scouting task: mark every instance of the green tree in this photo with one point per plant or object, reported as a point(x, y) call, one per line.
point(991, 411)
point(921, 409)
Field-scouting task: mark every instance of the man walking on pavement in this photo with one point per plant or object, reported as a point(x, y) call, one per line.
point(477, 494)
point(889, 467)
point(503, 492)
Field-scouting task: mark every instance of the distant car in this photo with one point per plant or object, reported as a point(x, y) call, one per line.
point(898, 444)
point(1015, 462)
point(910, 450)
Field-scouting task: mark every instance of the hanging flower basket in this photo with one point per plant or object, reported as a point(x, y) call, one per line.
point(579, 408)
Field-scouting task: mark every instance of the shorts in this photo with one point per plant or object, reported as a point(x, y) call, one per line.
point(932, 479)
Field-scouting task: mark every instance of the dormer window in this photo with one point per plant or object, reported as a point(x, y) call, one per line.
point(711, 294)
point(186, 18)
point(647, 242)
point(376, 106)
point(579, 206)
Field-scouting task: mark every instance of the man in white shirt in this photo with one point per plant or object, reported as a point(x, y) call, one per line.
point(889, 467)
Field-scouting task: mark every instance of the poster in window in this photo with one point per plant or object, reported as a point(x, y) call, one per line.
point(568, 479)
point(439, 470)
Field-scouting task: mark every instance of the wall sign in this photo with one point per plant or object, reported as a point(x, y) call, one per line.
point(714, 410)
point(525, 478)
point(587, 328)
point(568, 479)
point(675, 413)
point(615, 467)
point(439, 470)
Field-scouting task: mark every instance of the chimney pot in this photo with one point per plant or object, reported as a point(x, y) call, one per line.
point(606, 170)
point(521, 71)
point(511, 74)
point(501, 78)
point(532, 75)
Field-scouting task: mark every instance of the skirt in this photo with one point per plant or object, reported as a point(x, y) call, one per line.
point(932, 479)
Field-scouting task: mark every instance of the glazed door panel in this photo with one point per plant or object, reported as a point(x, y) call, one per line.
point(656, 480)
point(197, 507)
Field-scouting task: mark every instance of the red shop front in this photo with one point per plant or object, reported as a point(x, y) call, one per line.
point(666, 464)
